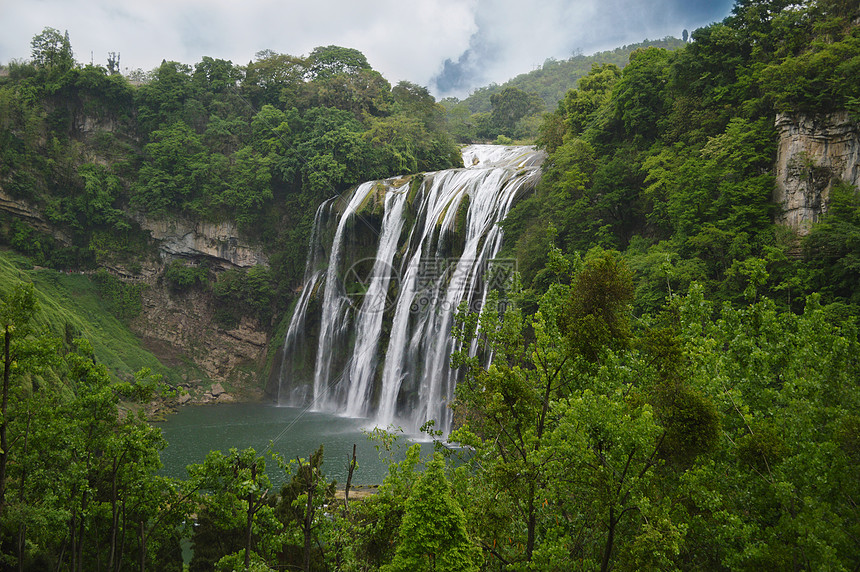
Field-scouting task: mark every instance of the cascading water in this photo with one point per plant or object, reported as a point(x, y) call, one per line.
point(374, 318)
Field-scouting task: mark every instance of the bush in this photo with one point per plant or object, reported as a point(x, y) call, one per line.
point(182, 277)
point(122, 299)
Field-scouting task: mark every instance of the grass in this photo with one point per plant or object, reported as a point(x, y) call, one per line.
point(69, 304)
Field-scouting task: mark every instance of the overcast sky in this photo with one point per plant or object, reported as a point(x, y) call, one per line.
point(450, 46)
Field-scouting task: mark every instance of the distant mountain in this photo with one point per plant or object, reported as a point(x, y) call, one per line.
point(552, 80)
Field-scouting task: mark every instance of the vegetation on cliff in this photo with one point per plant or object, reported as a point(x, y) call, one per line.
point(674, 382)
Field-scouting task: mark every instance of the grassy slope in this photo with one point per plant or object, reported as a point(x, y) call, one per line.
point(70, 302)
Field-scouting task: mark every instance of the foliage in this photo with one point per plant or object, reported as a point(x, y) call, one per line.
point(834, 245)
point(627, 420)
point(72, 305)
point(632, 456)
point(122, 299)
point(248, 290)
point(261, 145)
point(182, 276)
point(433, 531)
point(77, 478)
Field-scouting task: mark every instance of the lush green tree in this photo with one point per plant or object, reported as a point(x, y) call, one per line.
point(580, 105)
point(300, 504)
point(162, 100)
point(833, 246)
point(237, 499)
point(511, 105)
point(363, 91)
point(273, 79)
point(433, 535)
point(638, 97)
point(327, 61)
point(52, 50)
point(177, 174)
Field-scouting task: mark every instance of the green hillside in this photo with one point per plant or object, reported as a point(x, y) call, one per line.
point(555, 77)
point(72, 305)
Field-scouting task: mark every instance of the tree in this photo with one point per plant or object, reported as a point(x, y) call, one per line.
point(580, 105)
point(273, 79)
point(52, 50)
point(177, 173)
point(16, 309)
point(510, 105)
point(238, 498)
point(432, 535)
point(833, 246)
point(638, 96)
point(301, 500)
point(326, 61)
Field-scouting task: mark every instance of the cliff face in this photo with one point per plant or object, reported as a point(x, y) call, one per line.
point(181, 328)
point(217, 242)
point(813, 154)
point(23, 210)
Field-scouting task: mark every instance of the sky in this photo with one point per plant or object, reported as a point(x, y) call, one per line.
point(449, 46)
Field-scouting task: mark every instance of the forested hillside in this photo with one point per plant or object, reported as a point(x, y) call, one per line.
point(260, 144)
point(675, 373)
point(513, 109)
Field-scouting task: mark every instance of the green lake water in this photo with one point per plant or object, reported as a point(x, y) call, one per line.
point(195, 430)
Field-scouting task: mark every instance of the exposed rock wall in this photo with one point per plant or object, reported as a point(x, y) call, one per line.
point(180, 328)
point(217, 242)
point(813, 154)
point(25, 211)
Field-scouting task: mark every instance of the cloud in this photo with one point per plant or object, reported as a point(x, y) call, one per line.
point(511, 40)
point(452, 46)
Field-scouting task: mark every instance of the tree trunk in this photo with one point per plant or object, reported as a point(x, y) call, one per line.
point(142, 532)
point(4, 445)
point(352, 464)
point(22, 530)
point(22, 538)
point(250, 520)
point(309, 519)
point(530, 541)
point(248, 528)
point(607, 551)
point(114, 516)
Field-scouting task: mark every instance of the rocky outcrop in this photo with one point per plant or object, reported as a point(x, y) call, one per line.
point(23, 210)
point(217, 242)
point(813, 154)
point(182, 328)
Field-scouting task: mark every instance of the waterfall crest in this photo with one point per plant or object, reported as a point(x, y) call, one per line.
point(370, 333)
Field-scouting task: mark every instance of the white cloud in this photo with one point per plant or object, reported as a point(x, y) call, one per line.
point(403, 39)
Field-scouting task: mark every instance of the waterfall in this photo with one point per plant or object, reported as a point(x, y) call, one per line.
point(370, 332)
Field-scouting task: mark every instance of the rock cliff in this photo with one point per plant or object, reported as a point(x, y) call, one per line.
point(217, 242)
point(181, 329)
point(23, 210)
point(813, 154)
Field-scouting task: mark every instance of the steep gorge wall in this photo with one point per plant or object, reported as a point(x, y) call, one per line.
point(813, 154)
point(181, 329)
point(219, 243)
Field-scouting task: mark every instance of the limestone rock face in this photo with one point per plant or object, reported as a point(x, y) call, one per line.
point(218, 242)
point(23, 210)
point(182, 328)
point(813, 154)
